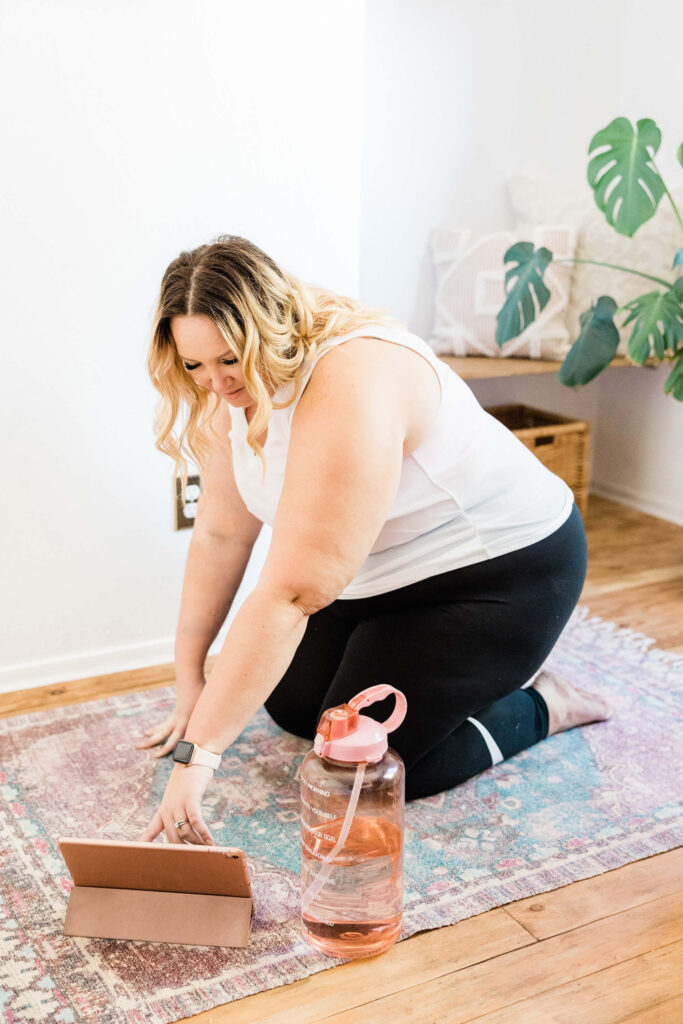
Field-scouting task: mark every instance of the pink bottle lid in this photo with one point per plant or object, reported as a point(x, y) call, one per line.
point(345, 735)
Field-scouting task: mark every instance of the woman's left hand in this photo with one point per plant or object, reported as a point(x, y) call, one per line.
point(183, 799)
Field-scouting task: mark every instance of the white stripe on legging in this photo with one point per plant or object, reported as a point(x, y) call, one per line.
point(493, 748)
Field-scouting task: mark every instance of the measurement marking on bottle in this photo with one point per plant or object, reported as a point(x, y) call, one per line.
point(315, 853)
point(320, 835)
point(320, 856)
point(316, 789)
point(316, 810)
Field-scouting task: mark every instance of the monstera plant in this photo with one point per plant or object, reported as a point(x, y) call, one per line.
point(627, 188)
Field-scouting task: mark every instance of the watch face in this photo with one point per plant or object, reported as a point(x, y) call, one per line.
point(183, 751)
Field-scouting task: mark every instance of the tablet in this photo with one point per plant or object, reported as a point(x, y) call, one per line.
point(168, 892)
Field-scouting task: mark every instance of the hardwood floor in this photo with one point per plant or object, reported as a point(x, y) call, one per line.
point(603, 950)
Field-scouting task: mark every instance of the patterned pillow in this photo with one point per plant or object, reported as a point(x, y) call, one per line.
point(536, 199)
point(470, 291)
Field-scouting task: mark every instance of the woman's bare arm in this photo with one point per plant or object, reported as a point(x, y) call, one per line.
point(213, 573)
point(223, 537)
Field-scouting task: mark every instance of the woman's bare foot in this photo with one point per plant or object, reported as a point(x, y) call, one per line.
point(568, 705)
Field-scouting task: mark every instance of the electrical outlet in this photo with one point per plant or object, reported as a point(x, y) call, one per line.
point(185, 511)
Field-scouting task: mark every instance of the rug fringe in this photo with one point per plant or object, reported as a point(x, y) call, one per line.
point(624, 635)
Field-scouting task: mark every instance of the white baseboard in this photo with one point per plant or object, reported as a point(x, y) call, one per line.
point(651, 504)
point(53, 671)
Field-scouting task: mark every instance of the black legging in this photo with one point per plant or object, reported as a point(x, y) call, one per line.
point(459, 645)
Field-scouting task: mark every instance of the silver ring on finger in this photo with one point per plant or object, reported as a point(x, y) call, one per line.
point(185, 821)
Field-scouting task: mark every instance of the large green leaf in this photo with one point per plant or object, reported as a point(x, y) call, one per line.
point(674, 382)
point(658, 324)
point(623, 166)
point(518, 310)
point(595, 346)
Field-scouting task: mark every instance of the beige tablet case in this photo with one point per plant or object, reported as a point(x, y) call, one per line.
point(158, 892)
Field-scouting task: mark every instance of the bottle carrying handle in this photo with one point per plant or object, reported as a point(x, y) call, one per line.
point(379, 692)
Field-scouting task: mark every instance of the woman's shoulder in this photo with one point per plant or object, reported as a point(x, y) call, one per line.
point(389, 372)
point(398, 356)
point(370, 344)
point(365, 354)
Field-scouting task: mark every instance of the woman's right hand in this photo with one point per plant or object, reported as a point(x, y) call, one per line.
point(172, 729)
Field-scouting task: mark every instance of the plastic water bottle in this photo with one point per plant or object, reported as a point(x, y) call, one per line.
point(352, 816)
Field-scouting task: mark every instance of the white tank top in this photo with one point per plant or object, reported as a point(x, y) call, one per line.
point(470, 492)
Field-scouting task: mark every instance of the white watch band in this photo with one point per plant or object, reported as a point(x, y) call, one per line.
point(205, 757)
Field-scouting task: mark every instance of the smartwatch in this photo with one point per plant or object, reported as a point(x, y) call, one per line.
point(188, 753)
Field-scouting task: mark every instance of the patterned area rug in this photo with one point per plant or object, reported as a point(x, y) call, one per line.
point(574, 806)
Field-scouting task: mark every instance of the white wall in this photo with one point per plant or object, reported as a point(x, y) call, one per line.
point(133, 131)
point(460, 95)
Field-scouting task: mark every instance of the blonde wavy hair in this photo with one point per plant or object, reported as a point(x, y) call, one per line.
point(269, 318)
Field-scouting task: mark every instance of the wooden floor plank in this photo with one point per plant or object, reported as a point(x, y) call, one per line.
point(638, 607)
point(670, 1011)
point(77, 691)
point(633, 575)
point(643, 578)
point(420, 958)
point(625, 541)
point(611, 528)
point(634, 988)
point(594, 898)
point(90, 688)
point(522, 974)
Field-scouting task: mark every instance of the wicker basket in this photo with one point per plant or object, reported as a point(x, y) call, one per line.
point(562, 444)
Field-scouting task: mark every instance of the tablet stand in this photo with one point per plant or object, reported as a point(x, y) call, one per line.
point(140, 891)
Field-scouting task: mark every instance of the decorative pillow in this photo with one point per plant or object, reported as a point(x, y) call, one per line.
point(536, 200)
point(470, 292)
